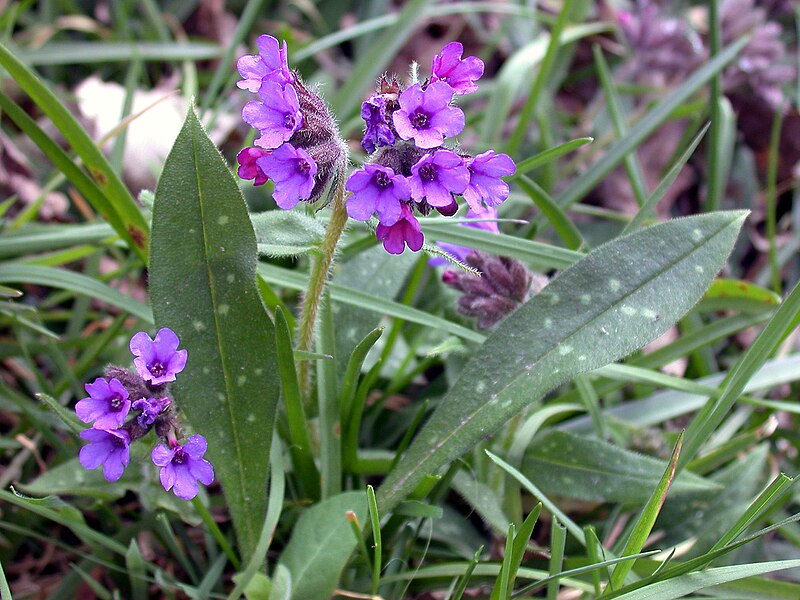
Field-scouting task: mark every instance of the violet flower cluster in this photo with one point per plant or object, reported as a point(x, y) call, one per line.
point(409, 169)
point(298, 146)
point(125, 405)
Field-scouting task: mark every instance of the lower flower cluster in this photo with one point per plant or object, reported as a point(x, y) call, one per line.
point(125, 405)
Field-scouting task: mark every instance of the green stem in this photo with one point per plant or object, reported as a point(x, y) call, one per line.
point(216, 532)
point(317, 280)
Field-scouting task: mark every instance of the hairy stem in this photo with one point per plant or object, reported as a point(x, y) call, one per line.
point(320, 268)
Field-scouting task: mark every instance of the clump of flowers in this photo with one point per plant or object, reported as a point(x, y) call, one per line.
point(408, 172)
point(125, 405)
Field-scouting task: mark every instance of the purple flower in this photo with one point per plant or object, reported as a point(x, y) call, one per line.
point(426, 115)
point(151, 408)
point(378, 132)
point(183, 466)
point(406, 231)
point(377, 188)
point(158, 360)
point(485, 185)
point(277, 116)
point(107, 404)
point(107, 448)
point(437, 176)
point(460, 252)
point(293, 170)
point(248, 169)
point(459, 74)
point(270, 64)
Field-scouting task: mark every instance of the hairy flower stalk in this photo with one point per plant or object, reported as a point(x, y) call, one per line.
point(320, 269)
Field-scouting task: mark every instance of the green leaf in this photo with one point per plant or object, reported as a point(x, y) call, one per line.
point(134, 227)
point(11, 272)
point(203, 286)
point(647, 518)
point(321, 545)
point(286, 232)
point(601, 309)
point(589, 469)
point(692, 582)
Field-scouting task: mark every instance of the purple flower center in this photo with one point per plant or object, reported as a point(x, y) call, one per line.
point(179, 457)
point(118, 442)
point(382, 180)
point(419, 120)
point(303, 166)
point(428, 172)
point(288, 121)
point(116, 402)
point(157, 369)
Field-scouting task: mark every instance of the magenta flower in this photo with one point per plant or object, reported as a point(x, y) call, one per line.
point(460, 252)
point(437, 176)
point(270, 64)
point(151, 408)
point(406, 231)
point(248, 168)
point(425, 115)
point(293, 170)
point(158, 360)
point(485, 185)
point(460, 74)
point(107, 404)
point(378, 132)
point(183, 466)
point(107, 448)
point(377, 188)
point(277, 116)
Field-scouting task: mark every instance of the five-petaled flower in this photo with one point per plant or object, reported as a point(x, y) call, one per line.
point(406, 231)
point(108, 448)
point(436, 177)
point(158, 360)
point(292, 170)
point(377, 189)
point(107, 404)
point(183, 466)
point(426, 115)
point(460, 74)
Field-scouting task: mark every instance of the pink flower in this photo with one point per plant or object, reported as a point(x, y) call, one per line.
point(437, 176)
point(270, 64)
point(107, 404)
point(406, 231)
point(183, 466)
point(459, 74)
point(425, 115)
point(158, 360)
point(377, 188)
point(248, 167)
point(485, 185)
point(293, 170)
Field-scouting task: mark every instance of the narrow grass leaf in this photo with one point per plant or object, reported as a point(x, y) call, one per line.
point(75, 282)
point(647, 518)
point(549, 155)
point(558, 540)
point(693, 582)
point(647, 125)
point(135, 564)
point(617, 113)
point(135, 228)
point(74, 53)
point(650, 204)
point(321, 545)
point(616, 288)
point(754, 357)
point(564, 227)
point(203, 286)
point(463, 580)
point(52, 237)
point(299, 440)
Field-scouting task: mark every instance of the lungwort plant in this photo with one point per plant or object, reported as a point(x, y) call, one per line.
point(332, 415)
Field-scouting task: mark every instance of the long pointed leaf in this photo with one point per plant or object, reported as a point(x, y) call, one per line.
point(203, 286)
point(601, 309)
